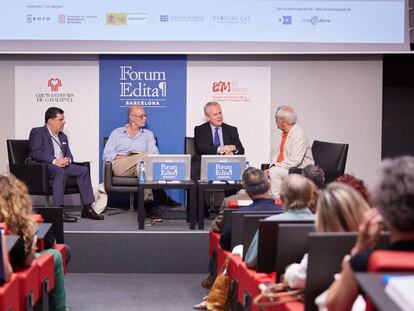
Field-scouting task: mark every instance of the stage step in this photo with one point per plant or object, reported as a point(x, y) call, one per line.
point(138, 251)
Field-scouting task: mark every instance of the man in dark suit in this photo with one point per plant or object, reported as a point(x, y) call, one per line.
point(48, 144)
point(214, 137)
point(257, 185)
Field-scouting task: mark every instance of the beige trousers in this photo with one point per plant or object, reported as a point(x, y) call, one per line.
point(128, 166)
point(276, 175)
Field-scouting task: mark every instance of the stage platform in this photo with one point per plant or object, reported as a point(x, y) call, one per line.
point(115, 245)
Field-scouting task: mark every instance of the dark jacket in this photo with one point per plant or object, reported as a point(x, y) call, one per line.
point(203, 139)
point(41, 145)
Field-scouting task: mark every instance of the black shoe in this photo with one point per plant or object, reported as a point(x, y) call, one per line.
point(171, 202)
point(67, 218)
point(88, 212)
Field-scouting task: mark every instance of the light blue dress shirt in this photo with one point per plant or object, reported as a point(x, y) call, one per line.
point(120, 142)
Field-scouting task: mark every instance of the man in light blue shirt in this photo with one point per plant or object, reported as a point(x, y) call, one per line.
point(130, 144)
point(296, 194)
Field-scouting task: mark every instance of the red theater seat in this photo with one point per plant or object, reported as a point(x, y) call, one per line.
point(61, 248)
point(28, 286)
point(38, 218)
point(391, 261)
point(9, 295)
point(46, 275)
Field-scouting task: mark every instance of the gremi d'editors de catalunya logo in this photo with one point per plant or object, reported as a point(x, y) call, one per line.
point(54, 96)
point(54, 84)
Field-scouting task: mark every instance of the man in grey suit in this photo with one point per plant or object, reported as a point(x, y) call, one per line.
point(294, 150)
point(48, 144)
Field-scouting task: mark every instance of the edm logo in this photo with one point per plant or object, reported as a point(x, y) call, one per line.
point(223, 170)
point(54, 84)
point(221, 86)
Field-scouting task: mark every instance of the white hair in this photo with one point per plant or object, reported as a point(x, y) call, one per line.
point(287, 113)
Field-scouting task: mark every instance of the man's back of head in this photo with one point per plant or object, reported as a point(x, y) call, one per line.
point(256, 183)
point(315, 174)
point(296, 191)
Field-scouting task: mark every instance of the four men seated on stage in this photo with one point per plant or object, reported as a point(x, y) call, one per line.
point(48, 144)
point(129, 144)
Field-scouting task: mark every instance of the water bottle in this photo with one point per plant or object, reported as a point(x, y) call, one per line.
point(247, 165)
point(141, 175)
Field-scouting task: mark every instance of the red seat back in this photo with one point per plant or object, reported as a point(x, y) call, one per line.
point(28, 284)
point(46, 271)
point(391, 261)
point(9, 294)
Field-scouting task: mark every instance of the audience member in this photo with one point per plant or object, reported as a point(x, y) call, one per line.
point(393, 195)
point(7, 269)
point(295, 193)
point(355, 183)
point(256, 184)
point(340, 209)
point(16, 212)
point(315, 174)
point(294, 150)
point(48, 144)
point(218, 223)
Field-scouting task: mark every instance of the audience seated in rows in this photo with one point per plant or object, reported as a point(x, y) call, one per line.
point(16, 212)
point(256, 186)
point(393, 196)
point(340, 208)
point(296, 194)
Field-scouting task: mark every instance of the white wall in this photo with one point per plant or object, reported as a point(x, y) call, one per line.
point(338, 98)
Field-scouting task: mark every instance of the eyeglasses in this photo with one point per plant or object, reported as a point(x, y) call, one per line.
point(141, 116)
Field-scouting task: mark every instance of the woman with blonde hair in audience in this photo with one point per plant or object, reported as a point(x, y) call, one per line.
point(16, 212)
point(340, 208)
point(393, 195)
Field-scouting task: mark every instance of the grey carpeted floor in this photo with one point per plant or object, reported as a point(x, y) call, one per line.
point(129, 291)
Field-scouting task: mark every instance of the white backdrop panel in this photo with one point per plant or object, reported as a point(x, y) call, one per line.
point(77, 95)
point(244, 94)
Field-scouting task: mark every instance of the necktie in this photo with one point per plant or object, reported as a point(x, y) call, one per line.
point(216, 137)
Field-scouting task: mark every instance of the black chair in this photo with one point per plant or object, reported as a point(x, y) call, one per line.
point(189, 146)
point(281, 243)
point(331, 157)
point(35, 175)
point(123, 184)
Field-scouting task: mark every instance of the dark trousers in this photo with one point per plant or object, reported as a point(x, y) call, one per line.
point(59, 176)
